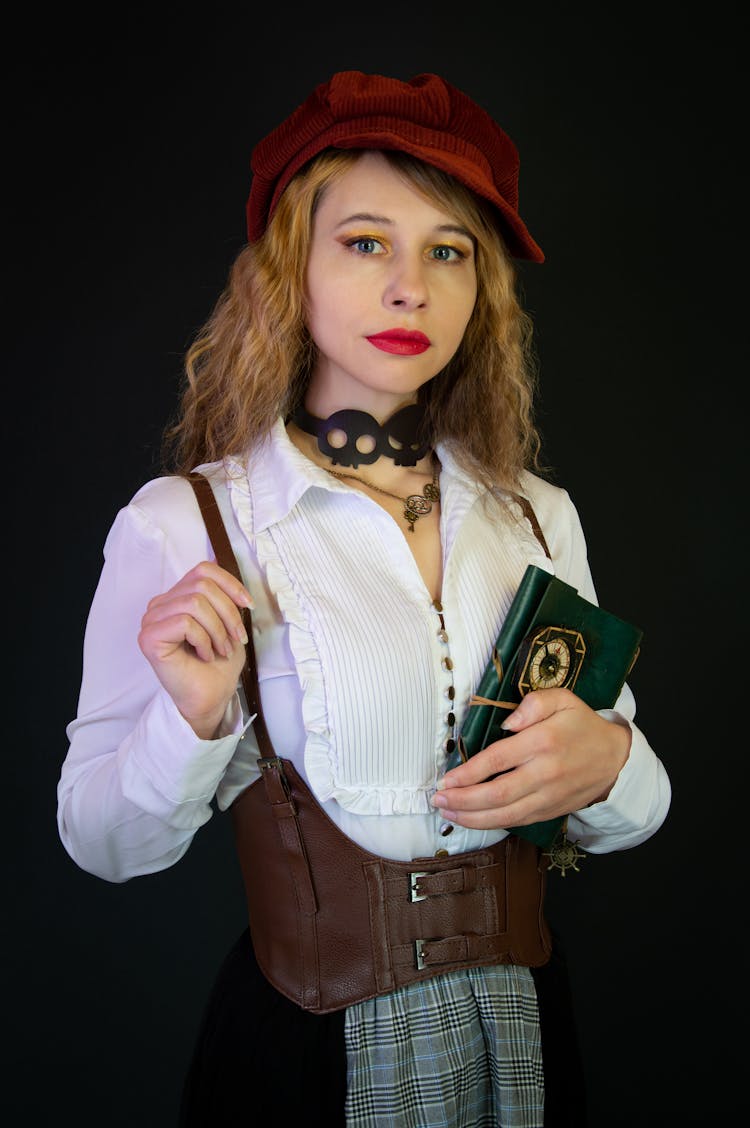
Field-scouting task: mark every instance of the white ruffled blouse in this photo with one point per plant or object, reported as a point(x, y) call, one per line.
point(364, 681)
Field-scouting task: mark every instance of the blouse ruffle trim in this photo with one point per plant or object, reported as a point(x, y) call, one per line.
point(319, 760)
point(319, 763)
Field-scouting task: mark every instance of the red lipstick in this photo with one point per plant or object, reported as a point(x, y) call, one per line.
point(402, 342)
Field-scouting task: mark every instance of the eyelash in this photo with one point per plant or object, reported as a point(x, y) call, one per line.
point(352, 244)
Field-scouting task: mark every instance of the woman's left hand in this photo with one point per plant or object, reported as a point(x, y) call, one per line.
point(563, 757)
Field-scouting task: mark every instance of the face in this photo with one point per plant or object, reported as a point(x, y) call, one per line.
point(391, 285)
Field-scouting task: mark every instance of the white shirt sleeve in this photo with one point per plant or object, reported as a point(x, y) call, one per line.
point(639, 800)
point(637, 804)
point(131, 793)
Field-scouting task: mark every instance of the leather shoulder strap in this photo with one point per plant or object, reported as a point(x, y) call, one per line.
point(225, 557)
point(532, 518)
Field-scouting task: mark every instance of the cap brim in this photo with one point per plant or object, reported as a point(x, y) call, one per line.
point(264, 193)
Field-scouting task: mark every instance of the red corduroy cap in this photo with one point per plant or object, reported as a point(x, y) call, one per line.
point(426, 117)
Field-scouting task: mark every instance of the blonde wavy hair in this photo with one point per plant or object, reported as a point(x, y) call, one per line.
point(251, 361)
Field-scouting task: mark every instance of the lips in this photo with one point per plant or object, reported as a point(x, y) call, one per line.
point(402, 342)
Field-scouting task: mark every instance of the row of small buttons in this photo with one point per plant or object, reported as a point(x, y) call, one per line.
point(446, 828)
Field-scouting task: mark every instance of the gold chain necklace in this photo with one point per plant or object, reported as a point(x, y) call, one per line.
point(415, 505)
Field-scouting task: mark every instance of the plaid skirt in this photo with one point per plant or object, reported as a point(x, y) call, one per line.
point(460, 1049)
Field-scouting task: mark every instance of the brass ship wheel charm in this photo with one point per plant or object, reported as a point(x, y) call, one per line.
point(563, 854)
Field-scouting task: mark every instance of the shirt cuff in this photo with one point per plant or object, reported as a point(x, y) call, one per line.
point(629, 815)
point(168, 771)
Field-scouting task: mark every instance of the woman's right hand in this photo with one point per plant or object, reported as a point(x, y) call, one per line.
point(194, 638)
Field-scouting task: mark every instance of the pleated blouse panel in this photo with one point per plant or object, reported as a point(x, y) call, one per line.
point(364, 632)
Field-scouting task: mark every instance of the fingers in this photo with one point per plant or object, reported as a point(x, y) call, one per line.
point(195, 627)
point(209, 578)
point(505, 754)
point(194, 637)
point(195, 618)
point(559, 756)
point(538, 706)
point(507, 781)
point(203, 610)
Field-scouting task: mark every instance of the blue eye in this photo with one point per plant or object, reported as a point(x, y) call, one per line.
point(444, 253)
point(366, 245)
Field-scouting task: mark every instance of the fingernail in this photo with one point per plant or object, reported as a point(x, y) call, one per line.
point(439, 801)
point(241, 634)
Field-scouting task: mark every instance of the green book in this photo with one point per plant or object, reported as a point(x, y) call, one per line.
point(552, 637)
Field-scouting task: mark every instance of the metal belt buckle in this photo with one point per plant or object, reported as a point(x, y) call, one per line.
point(414, 894)
point(266, 763)
point(419, 954)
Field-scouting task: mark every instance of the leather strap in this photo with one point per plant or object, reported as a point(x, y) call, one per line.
point(277, 789)
point(222, 547)
point(528, 510)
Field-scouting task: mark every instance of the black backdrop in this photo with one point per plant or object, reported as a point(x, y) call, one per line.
point(129, 170)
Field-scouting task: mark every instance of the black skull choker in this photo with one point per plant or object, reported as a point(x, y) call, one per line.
point(396, 438)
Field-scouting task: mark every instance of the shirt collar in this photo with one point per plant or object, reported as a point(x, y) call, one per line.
point(279, 474)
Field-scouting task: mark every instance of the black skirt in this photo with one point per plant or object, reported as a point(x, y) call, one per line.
point(259, 1058)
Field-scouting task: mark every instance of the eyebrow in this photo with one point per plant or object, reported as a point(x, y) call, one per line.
point(370, 217)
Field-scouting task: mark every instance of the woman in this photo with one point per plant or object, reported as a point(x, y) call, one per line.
point(361, 404)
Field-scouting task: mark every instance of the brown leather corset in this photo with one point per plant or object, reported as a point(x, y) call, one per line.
point(333, 924)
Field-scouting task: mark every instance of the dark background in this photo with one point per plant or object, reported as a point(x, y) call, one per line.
point(129, 170)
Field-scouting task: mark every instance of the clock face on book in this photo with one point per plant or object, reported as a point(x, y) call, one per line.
point(550, 658)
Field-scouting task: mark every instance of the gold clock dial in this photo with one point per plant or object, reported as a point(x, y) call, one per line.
point(550, 664)
point(550, 658)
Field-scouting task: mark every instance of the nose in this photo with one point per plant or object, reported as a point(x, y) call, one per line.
point(406, 288)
